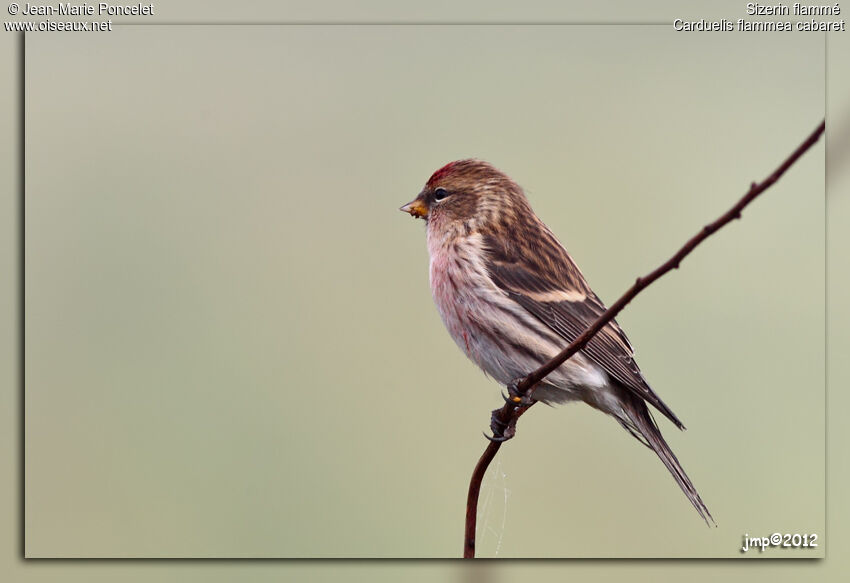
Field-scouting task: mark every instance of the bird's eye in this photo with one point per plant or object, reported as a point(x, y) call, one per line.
point(440, 193)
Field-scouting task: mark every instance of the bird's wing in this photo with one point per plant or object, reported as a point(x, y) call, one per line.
point(549, 285)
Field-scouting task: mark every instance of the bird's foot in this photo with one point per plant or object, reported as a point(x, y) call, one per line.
point(517, 397)
point(519, 401)
point(502, 431)
point(496, 439)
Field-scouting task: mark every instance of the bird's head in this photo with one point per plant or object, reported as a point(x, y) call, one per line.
point(468, 191)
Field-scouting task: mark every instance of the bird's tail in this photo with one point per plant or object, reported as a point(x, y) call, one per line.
point(641, 424)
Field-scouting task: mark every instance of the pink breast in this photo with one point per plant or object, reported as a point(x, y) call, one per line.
point(451, 296)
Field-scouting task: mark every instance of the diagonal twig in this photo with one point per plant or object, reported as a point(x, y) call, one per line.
point(504, 419)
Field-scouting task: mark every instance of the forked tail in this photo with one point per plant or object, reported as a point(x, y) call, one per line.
point(643, 427)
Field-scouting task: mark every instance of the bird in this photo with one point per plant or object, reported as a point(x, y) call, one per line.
point(511, 297)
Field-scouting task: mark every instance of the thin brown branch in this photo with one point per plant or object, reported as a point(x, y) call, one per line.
point(504, 419)
point(472, 497)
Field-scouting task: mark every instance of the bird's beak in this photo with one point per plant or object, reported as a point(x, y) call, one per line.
point(416, 208)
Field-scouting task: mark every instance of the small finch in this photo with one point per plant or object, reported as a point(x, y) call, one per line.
point(511, 297)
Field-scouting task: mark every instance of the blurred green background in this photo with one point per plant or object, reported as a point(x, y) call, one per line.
point(531, 521)
point(231, 350)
